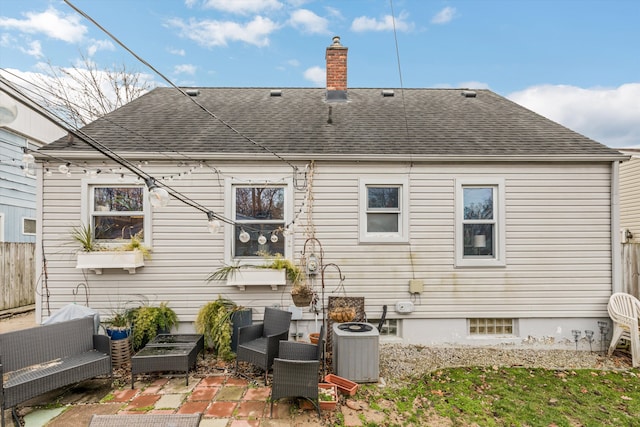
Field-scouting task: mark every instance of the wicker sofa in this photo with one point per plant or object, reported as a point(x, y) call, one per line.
point(37, 360)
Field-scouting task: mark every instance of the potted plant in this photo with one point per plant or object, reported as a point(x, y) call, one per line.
point(118, 327)
point(147, 321)
point(219, 321)
point(94, 256)
point(276, 271)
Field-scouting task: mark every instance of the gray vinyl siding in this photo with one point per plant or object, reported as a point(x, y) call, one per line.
point(630, 196)
point(558, 243)
point(17, 191)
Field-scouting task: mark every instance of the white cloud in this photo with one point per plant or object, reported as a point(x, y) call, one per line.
point(35, 49)
point(608, 115)
point(364, 23)
point(97, 45)
point(293, 62)
point(185, 69)
point(178, 52)
point(219, 33)
point(445, 16)
point(316, 75)
point(473, 85)
point(242, 6)
point(308, 22)
point(51, 23)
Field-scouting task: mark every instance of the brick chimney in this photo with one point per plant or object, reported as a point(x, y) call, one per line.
point(336, 57)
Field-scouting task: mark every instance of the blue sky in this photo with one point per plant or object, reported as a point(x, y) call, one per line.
point(574, 61)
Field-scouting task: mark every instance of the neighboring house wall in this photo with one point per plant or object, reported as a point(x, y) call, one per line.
point(24, 127)
point(630, 194)
point(556, 272)
point(630, 222)
point(17, 190)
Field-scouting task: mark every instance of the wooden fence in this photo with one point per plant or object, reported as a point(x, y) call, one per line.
point(17, 274)
point(631, 269)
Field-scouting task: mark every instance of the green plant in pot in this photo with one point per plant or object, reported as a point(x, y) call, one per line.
point(148, 321)
point(118, 327)
point(214, 321)
point(135, 244)
point(84, 235)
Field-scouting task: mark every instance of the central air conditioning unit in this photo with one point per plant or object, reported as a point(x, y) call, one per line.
point(356, 353)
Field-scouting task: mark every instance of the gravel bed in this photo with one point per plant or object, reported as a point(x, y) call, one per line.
point(399, 362)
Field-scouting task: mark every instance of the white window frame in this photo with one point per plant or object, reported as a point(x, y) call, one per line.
point(1, 227)
point(25, 218)
point(230, 206)
point(499, 258)
point(402, 235)
point(87, 203)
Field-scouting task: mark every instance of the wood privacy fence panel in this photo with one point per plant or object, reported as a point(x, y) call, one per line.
point(17, 274)
point(631, 269)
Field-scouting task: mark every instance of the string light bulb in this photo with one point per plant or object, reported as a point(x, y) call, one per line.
point(274, 237)
point(64, 168)
point(158, 196)
point(262, 240)
point(27, 158)
point(214, 225)
point(244, 236)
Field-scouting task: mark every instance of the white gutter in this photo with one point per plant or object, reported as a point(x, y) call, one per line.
point(136, 155)
point(616, 245)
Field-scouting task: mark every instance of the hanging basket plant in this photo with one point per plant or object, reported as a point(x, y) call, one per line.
point(302, 295)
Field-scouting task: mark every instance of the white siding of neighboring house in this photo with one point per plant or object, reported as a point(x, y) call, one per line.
point(630, 196)
point(558, 248)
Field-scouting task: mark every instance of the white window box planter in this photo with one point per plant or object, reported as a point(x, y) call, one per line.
point(97, 261)
point(258, 277)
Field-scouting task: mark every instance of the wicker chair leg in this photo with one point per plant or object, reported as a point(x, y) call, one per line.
point(16, 420)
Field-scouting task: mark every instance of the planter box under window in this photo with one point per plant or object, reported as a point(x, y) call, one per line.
point(97, 261)
point(257, 277)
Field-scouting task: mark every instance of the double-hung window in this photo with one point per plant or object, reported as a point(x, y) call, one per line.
point(260, 215)
point(480, 223)
point(384, 210)
point(116, 212)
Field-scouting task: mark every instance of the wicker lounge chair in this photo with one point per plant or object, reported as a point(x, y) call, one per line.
point(259, 343)
point(296, 371)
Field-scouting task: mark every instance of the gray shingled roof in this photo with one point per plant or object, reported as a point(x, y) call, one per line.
point(414, 122)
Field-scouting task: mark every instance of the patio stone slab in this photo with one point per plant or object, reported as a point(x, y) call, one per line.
point(170, 401)
point(221, 409)
point(193, 407)
point(203, 393)
point(80, 415)
point(250, 409)
point(40, 417)
point(230, 393)
point(214, 422)
point(260, 393)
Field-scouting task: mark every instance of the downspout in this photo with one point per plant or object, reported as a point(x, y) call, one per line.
point(39, 242)
point(616, 246)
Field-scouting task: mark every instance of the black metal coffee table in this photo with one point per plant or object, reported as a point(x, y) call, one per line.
point(168, 352)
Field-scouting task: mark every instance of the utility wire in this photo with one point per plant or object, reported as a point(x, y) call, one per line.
point(166, 79)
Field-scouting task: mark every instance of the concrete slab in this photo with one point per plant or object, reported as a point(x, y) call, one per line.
point(215, 422)
point(40, 417)
point(170, 401)
point(80, 415)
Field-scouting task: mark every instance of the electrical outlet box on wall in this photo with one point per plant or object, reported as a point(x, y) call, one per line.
point(404, 307)
point(416, 286)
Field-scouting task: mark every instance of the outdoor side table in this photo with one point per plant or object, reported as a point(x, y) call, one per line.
point(179, 339)
point(168, 352)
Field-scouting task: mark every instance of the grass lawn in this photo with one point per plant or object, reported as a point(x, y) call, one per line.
point(510, 397)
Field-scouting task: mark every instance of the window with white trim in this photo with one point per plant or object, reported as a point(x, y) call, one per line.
point(29, 226)
point(384, 208)
point(480, 223)
point(261, 213)
point(117, 212)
